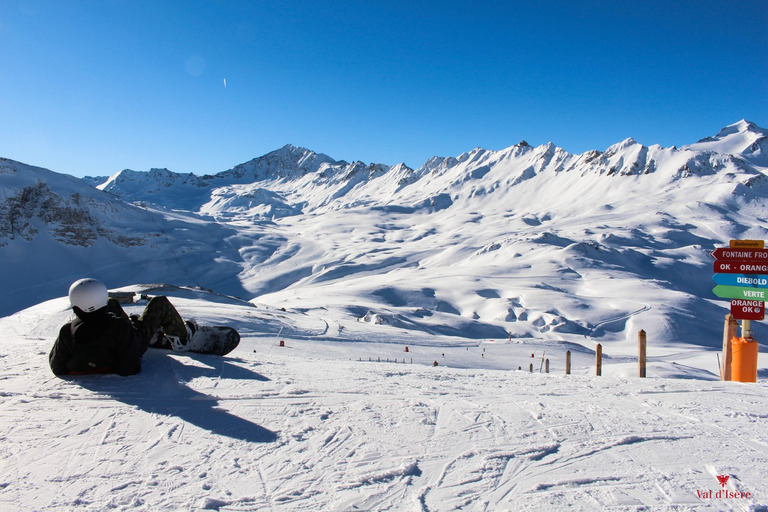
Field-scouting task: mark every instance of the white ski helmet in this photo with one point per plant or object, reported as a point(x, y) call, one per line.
point(88, 295)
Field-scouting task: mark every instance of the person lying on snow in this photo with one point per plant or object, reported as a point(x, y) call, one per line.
point(102, 338)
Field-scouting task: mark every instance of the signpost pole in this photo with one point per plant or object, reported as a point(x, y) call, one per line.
point(730, 330)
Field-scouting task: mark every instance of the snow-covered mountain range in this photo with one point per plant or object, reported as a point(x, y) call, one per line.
point(522, 242)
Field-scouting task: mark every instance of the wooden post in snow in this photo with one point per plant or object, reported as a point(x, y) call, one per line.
point(568, 362)
point(730, 330)
point(546, 366)
point(599, 360)
point(641, 342)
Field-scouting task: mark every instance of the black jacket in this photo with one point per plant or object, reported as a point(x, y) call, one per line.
point(97, 342)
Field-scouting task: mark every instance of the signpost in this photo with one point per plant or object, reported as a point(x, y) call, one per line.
point(741, 274)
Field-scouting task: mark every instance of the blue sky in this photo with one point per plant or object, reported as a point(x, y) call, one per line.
point(93, 87)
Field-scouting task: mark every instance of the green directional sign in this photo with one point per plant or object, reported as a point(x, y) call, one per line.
point(737, 292)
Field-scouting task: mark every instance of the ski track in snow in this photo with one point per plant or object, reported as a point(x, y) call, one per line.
point(281, 429)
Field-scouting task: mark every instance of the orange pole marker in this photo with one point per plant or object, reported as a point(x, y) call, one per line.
point(744, 359)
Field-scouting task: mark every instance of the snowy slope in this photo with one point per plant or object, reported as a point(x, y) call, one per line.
point(54, 229)
point(320, 424)
point(522, 242)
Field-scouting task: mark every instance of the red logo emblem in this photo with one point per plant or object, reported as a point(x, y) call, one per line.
point(723, 479)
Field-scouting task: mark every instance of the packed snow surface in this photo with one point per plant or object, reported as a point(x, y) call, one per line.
point(486, 267)
point(354, 422)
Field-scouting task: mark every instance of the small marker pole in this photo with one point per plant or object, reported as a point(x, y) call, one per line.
point(641, 343)
point(599, 360)
point(568, 362)
point(276, 338)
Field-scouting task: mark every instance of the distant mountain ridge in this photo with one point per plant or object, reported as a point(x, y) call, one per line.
point(298, 177)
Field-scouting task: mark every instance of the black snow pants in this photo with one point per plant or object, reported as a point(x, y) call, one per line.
point(159, 317)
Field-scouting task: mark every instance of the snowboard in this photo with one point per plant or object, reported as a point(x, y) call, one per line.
point(213, 339)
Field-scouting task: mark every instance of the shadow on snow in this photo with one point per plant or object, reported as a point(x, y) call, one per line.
point(161, 388)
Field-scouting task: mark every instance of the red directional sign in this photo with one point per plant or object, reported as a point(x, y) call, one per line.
point(725, 253)
point(748, 309)
point(741, 267)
